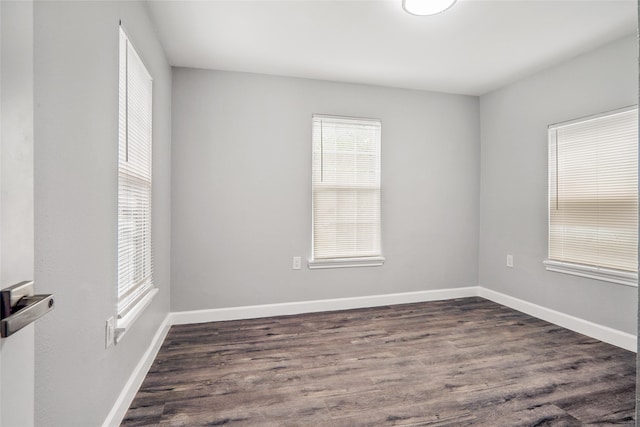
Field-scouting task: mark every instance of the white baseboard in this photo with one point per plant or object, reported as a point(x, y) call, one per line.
point(585, 327)
point(268, 310)
point(603, 333)
point(130, 389)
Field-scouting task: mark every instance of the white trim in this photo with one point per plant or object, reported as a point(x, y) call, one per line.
point(288, 308)
point(582, 326)
point(606, 274)
point(585, 327)
point(593, 116)
point(603, 333)
point(124, 324)
point(374, 261)
point(121, 405)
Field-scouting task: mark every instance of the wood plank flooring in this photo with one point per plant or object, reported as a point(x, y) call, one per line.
point(447, 363)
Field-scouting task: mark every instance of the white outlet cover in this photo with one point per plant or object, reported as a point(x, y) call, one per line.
point(296, 262)
point(509, 260)
point(110, 329)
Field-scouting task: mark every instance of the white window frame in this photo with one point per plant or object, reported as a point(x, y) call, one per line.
point(135, 288)
point(592, 271)
point(371, 255)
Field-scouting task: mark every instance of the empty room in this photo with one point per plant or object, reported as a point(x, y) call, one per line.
point(318, 212)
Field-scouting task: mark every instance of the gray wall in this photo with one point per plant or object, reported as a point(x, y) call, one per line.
point(242, 189)
point(513, 201)
point(76, 143)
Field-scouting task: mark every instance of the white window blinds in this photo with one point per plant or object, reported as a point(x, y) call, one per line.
point(134, 179)
point(346, 188)
point(593, 191)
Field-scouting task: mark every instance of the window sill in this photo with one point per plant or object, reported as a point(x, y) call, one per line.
point(608, 275)
point(124, 324)
point(346, 262)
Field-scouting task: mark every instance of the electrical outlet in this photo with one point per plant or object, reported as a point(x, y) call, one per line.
point(296, 262)
point(110, 332)
point(510, 261)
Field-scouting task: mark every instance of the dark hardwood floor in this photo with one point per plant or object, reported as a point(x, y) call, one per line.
point(458, 362)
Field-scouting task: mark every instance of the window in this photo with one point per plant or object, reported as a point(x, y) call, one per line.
point(346, 192)
point(135, 266)
point(593, 197)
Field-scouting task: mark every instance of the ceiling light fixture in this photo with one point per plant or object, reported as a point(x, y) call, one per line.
point(426, 7)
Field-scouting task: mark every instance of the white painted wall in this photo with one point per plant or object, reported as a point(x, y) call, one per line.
point(513, 201)
point(242, 189)
point(76, 146)
point(16, 202)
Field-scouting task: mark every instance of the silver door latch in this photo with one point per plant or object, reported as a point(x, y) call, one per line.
point(20, 307)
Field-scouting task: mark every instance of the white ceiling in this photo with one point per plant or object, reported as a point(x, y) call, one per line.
point(474, 47)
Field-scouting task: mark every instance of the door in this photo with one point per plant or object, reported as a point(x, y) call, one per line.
point(16, 203)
